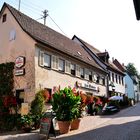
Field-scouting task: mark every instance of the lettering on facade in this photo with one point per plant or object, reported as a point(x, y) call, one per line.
point(87, 85)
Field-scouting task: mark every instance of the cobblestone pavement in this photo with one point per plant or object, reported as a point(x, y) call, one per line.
point(124, 125)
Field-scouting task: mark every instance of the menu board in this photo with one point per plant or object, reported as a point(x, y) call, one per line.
point(47, 124)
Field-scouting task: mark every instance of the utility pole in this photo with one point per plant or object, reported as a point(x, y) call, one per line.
point(19, 5)
point(45, 12)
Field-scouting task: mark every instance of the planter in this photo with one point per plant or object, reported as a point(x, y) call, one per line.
point(64, 126)
point(27, 129)
point(75, 124)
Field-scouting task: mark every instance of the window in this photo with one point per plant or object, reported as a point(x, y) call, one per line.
point(54, 62)
point(82, 72)
point(116, 78)
point(109, 76)
point(122, 81)
point(12, 35)
point(98, 79)
point(77, 70)
point(90, 75)
point(119, 80)
point(113, 77)
point(61, 65)
point(103, 81)
point(4, 18)
point(47, 60)
point(41, 58)
point(68, 67)
point(73, 69)
point(86, 74)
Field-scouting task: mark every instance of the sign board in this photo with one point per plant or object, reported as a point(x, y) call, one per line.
point(20, 62)
point(46, 126)
point(87, 85)
point(24, 109)
point(19, 72)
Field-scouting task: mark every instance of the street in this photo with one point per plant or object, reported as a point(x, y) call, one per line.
point(124, 125)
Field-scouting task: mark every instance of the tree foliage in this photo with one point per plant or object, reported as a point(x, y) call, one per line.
point(6, 78)
point(131, 69)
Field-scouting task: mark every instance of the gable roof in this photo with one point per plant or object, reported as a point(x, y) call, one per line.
point(119, 65)
point(50, 38)
point(97, 53)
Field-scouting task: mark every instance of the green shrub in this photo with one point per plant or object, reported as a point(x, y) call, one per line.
point(66, 104)
point(37, 105)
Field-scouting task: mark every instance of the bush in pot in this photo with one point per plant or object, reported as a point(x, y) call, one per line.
point(26, 122)
point(37, 108)
point(65, 105)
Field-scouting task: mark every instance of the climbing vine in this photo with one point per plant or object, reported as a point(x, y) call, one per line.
point(6, 78)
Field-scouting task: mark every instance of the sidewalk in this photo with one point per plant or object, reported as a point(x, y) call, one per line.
point(87, 123)
point(92, 122)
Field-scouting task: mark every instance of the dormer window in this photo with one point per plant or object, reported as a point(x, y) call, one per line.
point(4, 18)
point(79, 53)
point(89, 58)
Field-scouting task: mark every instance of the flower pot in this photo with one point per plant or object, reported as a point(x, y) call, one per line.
point(27, 129)
point(75, 124)
point(64, 126)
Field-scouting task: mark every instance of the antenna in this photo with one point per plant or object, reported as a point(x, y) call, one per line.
point(45, 12)
point(19, 5)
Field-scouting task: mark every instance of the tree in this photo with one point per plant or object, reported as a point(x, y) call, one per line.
point(131, 69)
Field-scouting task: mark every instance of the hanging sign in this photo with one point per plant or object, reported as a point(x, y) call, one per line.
point(19, 72)
point(20, 62)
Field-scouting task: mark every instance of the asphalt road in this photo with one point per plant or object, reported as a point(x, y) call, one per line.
point(124, 125)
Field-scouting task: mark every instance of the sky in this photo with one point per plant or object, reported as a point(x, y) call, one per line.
point(106, 24)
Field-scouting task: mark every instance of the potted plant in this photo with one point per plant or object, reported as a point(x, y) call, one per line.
point(65, 105)
point(26, 122)
point(37, 108)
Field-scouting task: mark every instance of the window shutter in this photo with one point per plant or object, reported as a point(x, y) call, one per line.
point(67, 67)
point(41, 58)
point(54, 62)
point(94, 77)
point(77, 70)
point(86, 74)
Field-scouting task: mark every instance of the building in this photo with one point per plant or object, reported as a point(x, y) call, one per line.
point(132, 88)
point(115, 78)
point(44, 58)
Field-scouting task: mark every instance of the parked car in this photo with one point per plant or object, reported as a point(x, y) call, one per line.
point(109, 109)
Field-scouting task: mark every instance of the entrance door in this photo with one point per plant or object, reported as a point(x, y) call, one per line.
point(20, 96)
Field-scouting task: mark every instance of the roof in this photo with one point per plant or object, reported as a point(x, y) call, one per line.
point(113, 67)
point(103, 54)
point(49, 37)
point(119, 65)
point(97, 52)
